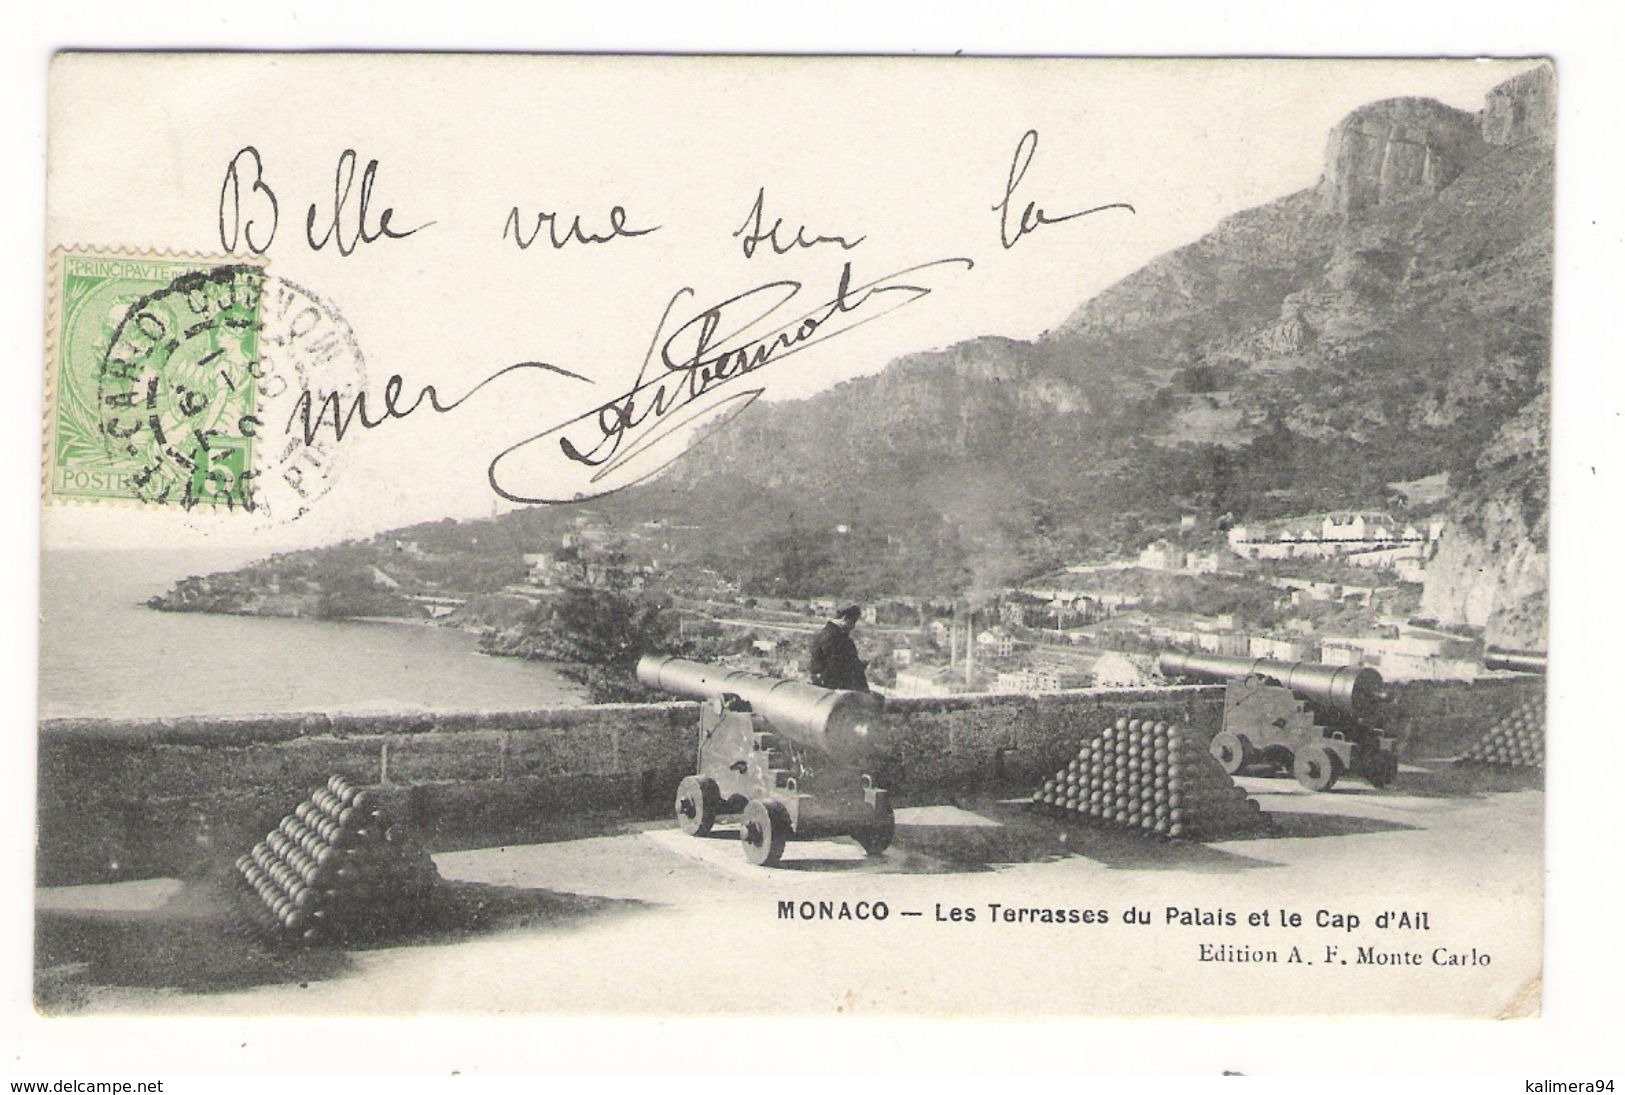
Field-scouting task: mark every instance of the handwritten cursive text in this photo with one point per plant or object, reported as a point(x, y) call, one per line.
point(753, 235)
point(332, 403)
point(573, 234)
point(1032, 216)
point(334, 229)
point(251, 218)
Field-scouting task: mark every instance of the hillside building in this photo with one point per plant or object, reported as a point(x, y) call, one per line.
point(1304, 590)
point(929, 680)
point(1282, 648)
point(997, 642)
point(1341, 533)
point(1164, 555)
point(1410, 656)
point(1161, 555)
point(1040, 679)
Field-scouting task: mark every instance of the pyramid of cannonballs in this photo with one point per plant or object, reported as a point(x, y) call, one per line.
point(333, 869)
point(1152, 777)
point(1517, 741)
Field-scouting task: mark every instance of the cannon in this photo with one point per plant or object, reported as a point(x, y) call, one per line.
point(1517, 661)
point(796, 761)
point(1315, 721)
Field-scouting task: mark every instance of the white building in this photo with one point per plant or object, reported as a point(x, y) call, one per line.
point(1040, 679)
point(997, 642)
point(1227, 643)
point(1161, 555)
point(1405, 658)
point(1202, 562)
point(538, 564)
point(1325, 535)
point(1410, 570)
point(1281, 649)
point(928, 680)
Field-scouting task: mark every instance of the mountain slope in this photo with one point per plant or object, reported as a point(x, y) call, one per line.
point(1381, 326)
point(1389, 324)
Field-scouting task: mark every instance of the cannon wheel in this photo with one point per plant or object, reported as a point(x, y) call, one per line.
point(876, 837)
point(763, 831)
point(1229, 750)
point(698, 801)
point(1316, 767)
point(1280, 758)
point(1382, 769)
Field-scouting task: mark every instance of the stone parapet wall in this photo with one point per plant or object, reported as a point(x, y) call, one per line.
point(963, 742)
point(133, 798)
point(122, 798)
point(1440, 719)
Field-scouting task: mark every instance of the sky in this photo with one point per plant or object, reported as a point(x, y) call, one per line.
point(904, 159)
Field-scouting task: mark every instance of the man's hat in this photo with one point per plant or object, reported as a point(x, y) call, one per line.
point(850, 612)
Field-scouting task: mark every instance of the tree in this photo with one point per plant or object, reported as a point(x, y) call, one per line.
point(607, 627)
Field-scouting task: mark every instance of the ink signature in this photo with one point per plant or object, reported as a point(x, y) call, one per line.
point(700, 362)
point(1033, 216)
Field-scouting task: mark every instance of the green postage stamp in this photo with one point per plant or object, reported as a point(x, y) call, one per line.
point(152, 368)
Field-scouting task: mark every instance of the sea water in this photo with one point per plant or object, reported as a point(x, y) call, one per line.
point(104, 653)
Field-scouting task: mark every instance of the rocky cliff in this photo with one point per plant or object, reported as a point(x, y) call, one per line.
point(1396, 150)
point(1522, 109)
point(1491, 570)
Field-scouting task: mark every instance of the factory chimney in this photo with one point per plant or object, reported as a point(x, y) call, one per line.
point(970, 645)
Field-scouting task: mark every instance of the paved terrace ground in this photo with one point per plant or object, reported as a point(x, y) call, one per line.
point(615, 916)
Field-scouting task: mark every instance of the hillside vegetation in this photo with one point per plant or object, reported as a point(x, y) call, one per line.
point(1390, 324)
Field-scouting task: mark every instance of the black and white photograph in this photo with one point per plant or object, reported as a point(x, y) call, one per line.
point(824, 538)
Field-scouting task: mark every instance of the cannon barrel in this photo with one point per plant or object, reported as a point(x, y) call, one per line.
point(846, 725)
point(1352, 689)
point(1518, 660)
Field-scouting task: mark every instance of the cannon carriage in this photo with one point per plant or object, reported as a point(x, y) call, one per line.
point(1317, 722)
point(794, 761)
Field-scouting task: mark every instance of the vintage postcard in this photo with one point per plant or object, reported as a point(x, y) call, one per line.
point(794, 536)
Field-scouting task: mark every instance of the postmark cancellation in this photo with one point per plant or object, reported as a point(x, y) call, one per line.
point(166, 377)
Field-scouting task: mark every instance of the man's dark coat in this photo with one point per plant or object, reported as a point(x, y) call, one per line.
point(835, 662)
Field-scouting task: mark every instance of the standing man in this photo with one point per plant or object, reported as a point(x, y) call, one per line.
point(835, 662)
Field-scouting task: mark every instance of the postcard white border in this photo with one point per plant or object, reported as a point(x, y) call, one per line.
point(1575, 1040)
